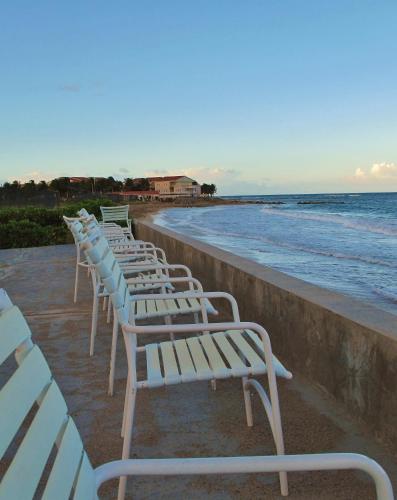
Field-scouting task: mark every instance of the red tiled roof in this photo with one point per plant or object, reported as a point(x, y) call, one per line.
point(83, 179)
point(78, 179)
point(137, 193)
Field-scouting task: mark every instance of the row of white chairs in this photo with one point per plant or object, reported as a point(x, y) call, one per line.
point(206, 351)
point(123, 271)
point(221, 350)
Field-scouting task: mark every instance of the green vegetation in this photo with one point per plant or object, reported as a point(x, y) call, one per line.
point(32, 226)
point(66, 189)
point(53, 193)
point(208, 189)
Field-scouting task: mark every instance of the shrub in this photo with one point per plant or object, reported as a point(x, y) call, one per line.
point(92, 206)
point(25, 233)
point(32, 226)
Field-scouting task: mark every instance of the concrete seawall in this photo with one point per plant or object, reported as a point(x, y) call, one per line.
point(347, 347)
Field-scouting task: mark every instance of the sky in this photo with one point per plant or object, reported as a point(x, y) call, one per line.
point(259, 97)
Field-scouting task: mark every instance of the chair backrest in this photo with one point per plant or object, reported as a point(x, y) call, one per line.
point(118, 213)
point(102, 257)
point(31, 389)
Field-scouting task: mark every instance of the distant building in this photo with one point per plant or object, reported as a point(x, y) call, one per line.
point(175, 186)
point(136, 195)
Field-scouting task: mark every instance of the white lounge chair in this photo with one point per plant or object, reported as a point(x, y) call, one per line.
point(146, 272)
point(70, 473)
point(118, 213)
point(195, 359)
point(145, 307)
point(135, 250)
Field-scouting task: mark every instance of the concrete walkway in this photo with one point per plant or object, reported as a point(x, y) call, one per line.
point(180, 421)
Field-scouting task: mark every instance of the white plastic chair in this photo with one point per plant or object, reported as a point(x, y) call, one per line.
point(118, 213)
point(143, 307)
point(142, 265)
point(195, 359)
point(70, 474)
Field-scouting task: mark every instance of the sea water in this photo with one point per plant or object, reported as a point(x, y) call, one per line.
point(343, 242)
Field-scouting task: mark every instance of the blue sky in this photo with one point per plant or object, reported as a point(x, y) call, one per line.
point(256, 96)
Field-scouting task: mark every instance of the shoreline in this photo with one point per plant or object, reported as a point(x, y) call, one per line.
point(312, 258)
point(146, 210)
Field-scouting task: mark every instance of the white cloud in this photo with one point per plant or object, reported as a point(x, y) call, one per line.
point(378, 172)
point(201, 174)
point(384, 170)
point(160, 173)
point(360, 174)
point(227, 180)
point(36, 175)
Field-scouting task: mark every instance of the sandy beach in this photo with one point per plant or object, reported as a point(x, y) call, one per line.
point(142, 209)
point(145, 209)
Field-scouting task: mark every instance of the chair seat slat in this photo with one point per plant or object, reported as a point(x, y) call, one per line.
point(203, 370)
point(85, 486)
point(171, 374)
point(185, 361)
point(15, 329)
point(183, 305)
point(66, 464)
point(237, 366)
point(161, 307)
point(215, 360)
point(141, 308)
point(247, 351)
point(23, 475)
point(279, 368)
point(151, 307)
point(171, 306)
point(154, 375)
point(20, 392)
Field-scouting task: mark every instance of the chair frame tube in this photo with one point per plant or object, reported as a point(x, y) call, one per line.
point(235, 465)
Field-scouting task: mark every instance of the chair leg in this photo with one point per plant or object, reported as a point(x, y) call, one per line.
point(108, 313)
point(277, 427)
point(278, 438)
point(76, 282)
point(127, 392)
point(129, 422)
point(248, 403)
point(104, 303)
point(94, 322)
point(168, 321)
point(113, 353)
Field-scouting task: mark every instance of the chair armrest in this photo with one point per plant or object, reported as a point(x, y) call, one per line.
point(162, 267)
point(193, 295)
point(184, 279)
point(248, 465)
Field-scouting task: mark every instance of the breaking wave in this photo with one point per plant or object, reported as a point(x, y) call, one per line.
point(336, 219)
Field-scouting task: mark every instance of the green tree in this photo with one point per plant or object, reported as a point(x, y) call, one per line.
point(29, 188)
point(129, 184)
point(62, 185)
point(212, 189)
point(42, 186)
point(208, 189)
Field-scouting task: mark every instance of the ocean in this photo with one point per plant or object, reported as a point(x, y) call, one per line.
point(343, 242)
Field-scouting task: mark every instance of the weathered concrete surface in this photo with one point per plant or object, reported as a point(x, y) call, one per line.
point(184, 420)
point(345, 346)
